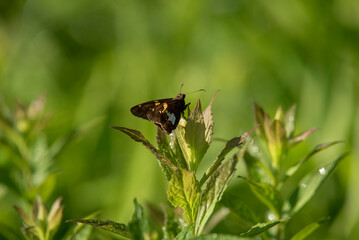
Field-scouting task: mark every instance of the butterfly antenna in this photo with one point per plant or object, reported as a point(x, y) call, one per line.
point(199, 90)
point(181, 87)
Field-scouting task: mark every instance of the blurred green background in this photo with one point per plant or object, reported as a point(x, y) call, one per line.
point(96, 59)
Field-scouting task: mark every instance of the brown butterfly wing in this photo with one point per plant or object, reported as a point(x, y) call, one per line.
point(165, 113)
point(173, 115)
point(142, 110)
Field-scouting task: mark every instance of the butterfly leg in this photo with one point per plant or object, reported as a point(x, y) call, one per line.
point(188, 110)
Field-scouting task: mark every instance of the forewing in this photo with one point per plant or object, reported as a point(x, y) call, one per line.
point(143, 110)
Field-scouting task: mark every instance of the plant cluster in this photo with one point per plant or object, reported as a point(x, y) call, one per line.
point(194, 199)
point(197, 204)
point(28, 169)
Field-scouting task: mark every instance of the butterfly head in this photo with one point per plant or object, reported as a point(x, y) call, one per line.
point(180, 96)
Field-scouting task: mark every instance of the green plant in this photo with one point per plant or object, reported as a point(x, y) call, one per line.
point(42, 225)
point(179, 158)
point(267, 175)
point(28, 169)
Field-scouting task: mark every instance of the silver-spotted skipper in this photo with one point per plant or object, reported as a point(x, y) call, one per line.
point(165, 113)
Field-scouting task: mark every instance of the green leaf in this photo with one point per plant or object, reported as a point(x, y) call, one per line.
point(118, 228)
point(28, 221)
point(54, 218)
point(208, 120)
point(307, 230)
point(291, 171)
point(308, 186)
point(192, 139)
point(260, 116)
point(266, 193)
point(234, 142)
point(279, 114)
point(260, 227)
point(138, 225)
point(275, 133)
point(239, 208)
point(289, 121)
point(213, 191)
point(80, 231)
point(39, 212)
point(165, 164)
point(183, 191)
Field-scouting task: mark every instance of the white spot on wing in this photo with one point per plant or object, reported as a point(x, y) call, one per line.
point(171, 117)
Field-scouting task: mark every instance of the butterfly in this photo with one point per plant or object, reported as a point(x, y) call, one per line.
point(165, 113)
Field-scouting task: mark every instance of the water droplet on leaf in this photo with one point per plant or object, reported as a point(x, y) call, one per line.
point(322, 171)
point(271, 216)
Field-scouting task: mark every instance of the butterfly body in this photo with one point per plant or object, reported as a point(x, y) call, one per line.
point(165, 113)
